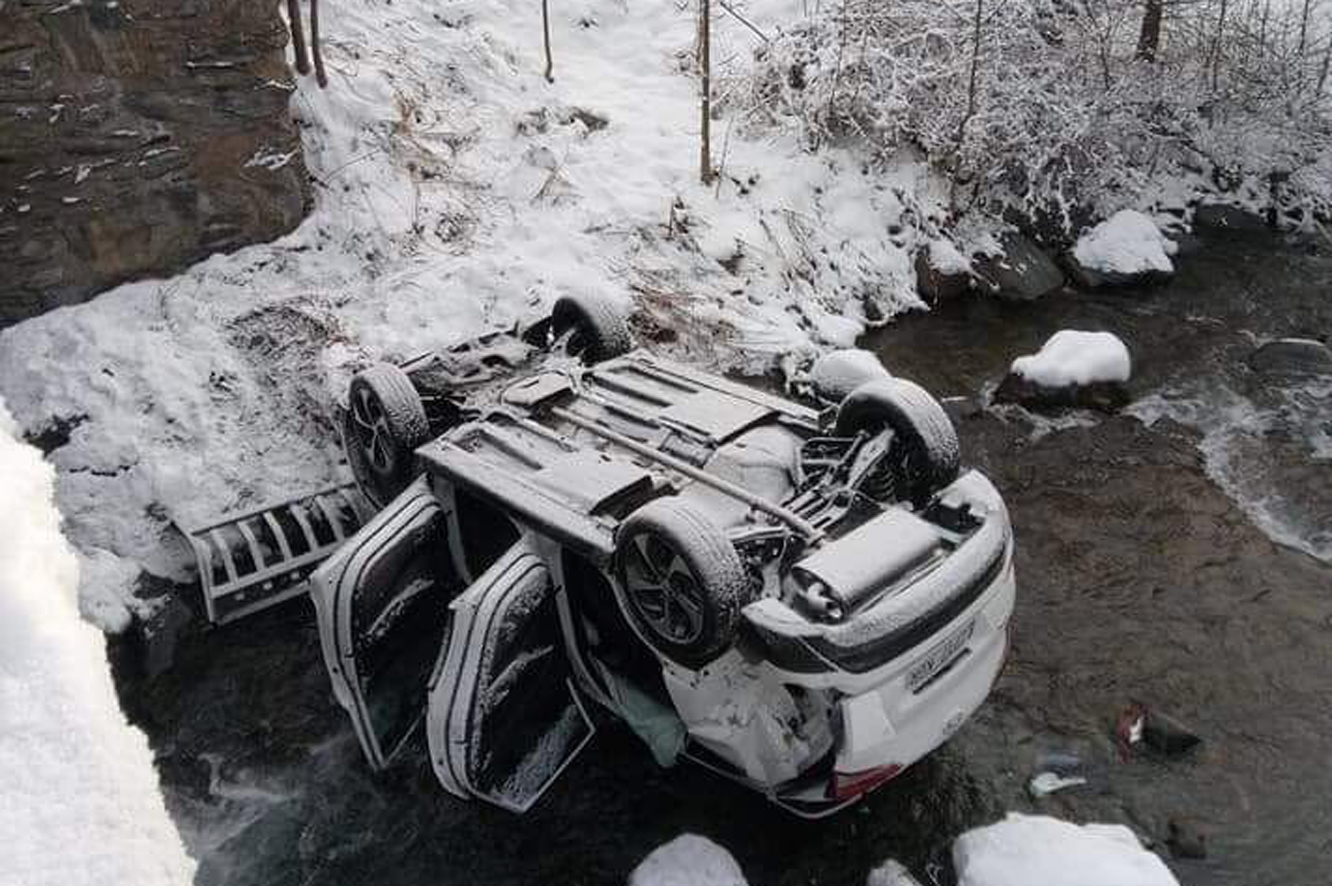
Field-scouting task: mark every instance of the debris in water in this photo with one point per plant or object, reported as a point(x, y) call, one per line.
point(1045, 783)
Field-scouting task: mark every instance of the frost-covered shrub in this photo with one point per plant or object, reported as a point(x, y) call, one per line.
point(1037, 111)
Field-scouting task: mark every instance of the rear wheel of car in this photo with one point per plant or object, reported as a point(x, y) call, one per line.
point(925, 451)
point(683, 582)
point(384, 424)
point(590, 328)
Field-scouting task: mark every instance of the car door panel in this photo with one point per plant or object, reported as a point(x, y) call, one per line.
point(504, 719)
point(382, 606)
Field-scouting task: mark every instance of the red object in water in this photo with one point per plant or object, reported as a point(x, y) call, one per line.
point(846, 785)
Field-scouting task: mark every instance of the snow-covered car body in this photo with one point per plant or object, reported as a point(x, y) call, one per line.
point(734, 575)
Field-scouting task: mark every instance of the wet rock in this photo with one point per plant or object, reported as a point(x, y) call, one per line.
point(139, 137)
point(1022, 273)
point(1223, 217)
point(962, 409)
point(1186, 839)
point(157, 637)
point(1164, 733)
point(1292, 356)
point(1107, 397)
point(941, 273)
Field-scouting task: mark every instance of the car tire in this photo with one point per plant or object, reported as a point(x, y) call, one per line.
point(597, 330)
point(385, 422)
point(929, 456)
point(682, 581)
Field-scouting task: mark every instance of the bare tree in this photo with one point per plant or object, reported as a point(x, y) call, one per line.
point(321, 77)
point(705, 171)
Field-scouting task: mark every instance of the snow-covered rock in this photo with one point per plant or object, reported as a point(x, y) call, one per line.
point(82, 805)
point(942, 271)
point(838, 373)
point(1073, 369)
point(1034, 850)
point(688, 860)
point(1125, 249)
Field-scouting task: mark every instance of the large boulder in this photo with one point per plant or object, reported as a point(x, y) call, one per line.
point(1073, 370)
point(1127, 249)
point(1292, 356)
point(1023, 272)
point(139, 137)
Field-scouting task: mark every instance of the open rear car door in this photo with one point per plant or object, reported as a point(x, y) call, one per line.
point(382, 604)
point(504, 719)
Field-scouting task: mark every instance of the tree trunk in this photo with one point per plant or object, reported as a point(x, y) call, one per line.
point(705, 66)
point(1216, 46)
point(316, 51)
point(545, 28)
point(297, 36)
point(1149, 38)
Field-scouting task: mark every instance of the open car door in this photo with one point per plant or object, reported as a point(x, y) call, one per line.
point(504, 719)
point(382, 604)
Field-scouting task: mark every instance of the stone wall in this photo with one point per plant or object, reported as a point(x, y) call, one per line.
point(137, 137)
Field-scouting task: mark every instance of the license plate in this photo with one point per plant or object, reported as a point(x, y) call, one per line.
point(933, 661)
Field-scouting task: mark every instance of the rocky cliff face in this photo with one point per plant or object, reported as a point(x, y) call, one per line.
point(137, 137)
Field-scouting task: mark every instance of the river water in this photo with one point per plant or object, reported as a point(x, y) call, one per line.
point(1166, 556)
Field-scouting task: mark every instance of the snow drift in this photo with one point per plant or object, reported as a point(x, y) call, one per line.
point(81, 799)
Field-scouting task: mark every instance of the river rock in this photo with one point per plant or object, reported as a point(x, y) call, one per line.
point(942, 272)
point(1186, 839)
point(1127, 249)
point(139, 137)
point(1073, 369)
point(1292, 356)
point(1224, 217)
point(1022, 273)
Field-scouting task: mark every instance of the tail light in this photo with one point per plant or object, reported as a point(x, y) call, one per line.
point(845, 785)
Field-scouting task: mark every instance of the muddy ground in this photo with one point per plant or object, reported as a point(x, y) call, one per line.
point(1140, 580)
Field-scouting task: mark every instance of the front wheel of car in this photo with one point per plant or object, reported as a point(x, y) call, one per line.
point(925, 449)
point(590, 327)
point(384, 424)
point(683, 582)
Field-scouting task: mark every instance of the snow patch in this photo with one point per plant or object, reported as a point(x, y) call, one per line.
point(1076, 358)
point(688, 860)
point(947, 259)
point(81, 799)
point(1127, 243)
point(1035, 850)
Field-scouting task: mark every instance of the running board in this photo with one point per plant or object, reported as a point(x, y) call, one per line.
point(263, 557)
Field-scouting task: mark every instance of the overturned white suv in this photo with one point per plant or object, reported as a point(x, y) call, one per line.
point(804, 601)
